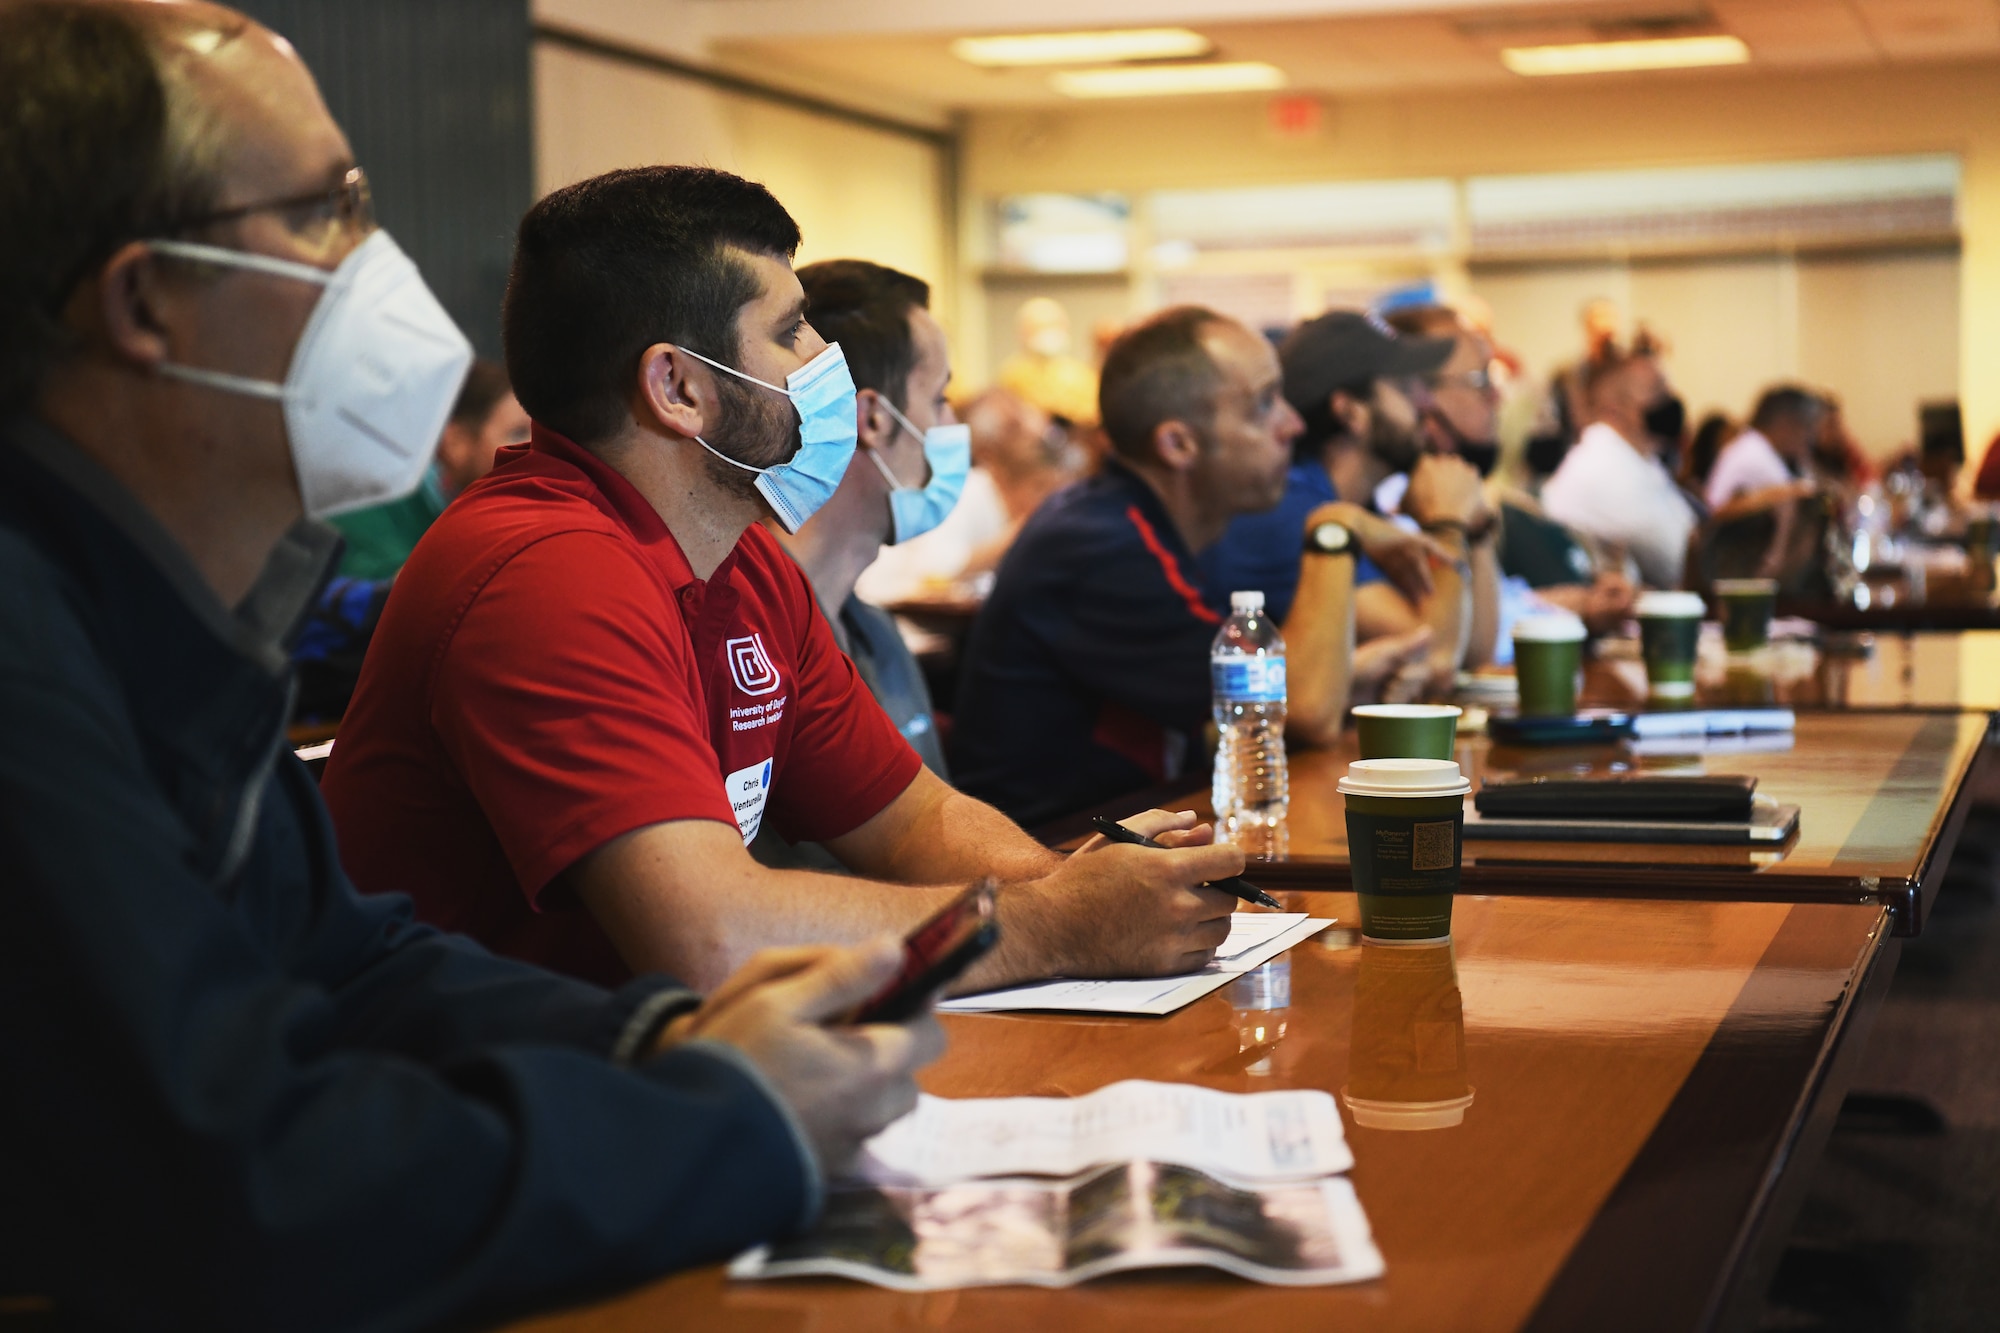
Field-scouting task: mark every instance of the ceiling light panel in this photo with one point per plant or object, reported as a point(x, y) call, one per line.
point(1238, 76)
point(1081, 48)
point(1623, 57)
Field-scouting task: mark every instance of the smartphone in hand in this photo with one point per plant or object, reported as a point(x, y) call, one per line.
point(935, 953)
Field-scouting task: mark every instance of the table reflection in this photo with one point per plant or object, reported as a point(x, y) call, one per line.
point(1406, 1064)
point(1258, 1001)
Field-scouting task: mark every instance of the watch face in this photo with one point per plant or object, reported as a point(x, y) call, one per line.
point(1330, 537)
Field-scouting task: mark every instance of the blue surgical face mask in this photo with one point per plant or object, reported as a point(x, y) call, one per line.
point(822, 392)
point(918, 509)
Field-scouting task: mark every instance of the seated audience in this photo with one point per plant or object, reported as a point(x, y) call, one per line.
point(1611, 485)
point(239, 1096)
point(1540, 563)
point(910, 463)
point(485, 419)
point(1379, 412)
point(1087, 671)
point(1765, 461)
point(1837, 461)
point(1043, 370)
point(599, 674)
point(1020, 456)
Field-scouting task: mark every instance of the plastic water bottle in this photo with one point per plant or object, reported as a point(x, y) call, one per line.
point(1246, 668)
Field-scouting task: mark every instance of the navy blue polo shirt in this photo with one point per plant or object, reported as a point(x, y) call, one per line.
point(1262, 552)
point(1086, 675)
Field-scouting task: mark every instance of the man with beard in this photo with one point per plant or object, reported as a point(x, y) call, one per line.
point(1374, 439)
point(1087, 672)
point(598, 675)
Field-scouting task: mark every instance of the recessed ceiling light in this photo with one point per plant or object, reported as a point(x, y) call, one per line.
point(1613, 57)
point(1237, 76)
point(1082, 48)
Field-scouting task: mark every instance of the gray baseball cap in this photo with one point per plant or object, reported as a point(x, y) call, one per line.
point(1346, 347)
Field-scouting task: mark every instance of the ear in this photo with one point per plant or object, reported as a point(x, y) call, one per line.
point(1349, 411)
point(676, 392)
point(128, 302)
point(875, 428)
point(455, 447)
point(1176, 447)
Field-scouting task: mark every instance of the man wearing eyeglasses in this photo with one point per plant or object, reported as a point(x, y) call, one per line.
point(1371, 402)
point(233, 1093)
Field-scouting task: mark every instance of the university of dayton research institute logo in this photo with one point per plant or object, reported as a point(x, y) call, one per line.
point(751, 665)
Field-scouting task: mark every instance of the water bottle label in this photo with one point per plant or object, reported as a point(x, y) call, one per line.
point(1248, 679)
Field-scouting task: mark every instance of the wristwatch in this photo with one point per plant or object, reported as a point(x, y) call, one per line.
point(1329, 538)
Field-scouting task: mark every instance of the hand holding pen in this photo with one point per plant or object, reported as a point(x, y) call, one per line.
point(1235, 884)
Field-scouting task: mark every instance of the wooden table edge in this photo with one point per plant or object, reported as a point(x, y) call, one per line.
point(1722, 1292)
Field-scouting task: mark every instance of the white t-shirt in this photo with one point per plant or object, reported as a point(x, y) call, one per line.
point(922, 564)
point(1611, 491)
point(1746, 463)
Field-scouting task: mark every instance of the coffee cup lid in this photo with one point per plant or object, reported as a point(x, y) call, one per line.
point(1754, 587)
point(1404, 777)
point(1550, 627)
point(1372, 1114)
point(1408, 710)
point(1670, 604)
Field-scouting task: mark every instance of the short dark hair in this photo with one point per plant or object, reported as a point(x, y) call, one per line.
point(1155, 372)
point(485, 385)
point(101, 143)
point(607, 267)
point(866, 309)
point(1786, 402)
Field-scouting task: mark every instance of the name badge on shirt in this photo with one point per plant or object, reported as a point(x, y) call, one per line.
point(748, 789)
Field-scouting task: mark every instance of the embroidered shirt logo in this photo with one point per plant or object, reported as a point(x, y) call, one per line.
point(751, 665)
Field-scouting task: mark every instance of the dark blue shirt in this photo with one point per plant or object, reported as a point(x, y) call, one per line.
point(1086, 674)
point(233, 1093)
point(1261, 552)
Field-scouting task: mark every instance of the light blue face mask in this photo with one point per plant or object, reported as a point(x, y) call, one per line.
point(918, 509)
point(822, 393)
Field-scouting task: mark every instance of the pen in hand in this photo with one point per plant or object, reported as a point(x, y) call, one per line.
point(1235, 884)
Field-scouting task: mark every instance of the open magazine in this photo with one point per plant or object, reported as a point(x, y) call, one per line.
point(1056, 1233)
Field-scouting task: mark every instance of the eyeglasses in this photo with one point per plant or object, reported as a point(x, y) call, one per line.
point(1479, 381)
point(346, 209)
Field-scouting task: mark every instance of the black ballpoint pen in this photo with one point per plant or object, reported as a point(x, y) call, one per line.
point(1235, 884)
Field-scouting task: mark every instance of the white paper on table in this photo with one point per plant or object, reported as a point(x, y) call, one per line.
point(1254, 939)
point(1254, 1138)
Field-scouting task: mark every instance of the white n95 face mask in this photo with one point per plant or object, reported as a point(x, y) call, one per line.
point(371, 381)
point(917, 509)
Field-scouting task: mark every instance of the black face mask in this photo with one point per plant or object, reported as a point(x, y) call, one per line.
point(1666, 419)
point(1482, 454)
point(1545, 452)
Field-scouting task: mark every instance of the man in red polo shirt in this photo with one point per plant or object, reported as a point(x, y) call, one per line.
point(597, 676)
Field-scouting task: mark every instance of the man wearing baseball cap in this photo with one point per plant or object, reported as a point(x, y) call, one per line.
point(1362, 393)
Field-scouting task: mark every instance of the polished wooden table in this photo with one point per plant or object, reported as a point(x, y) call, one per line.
point(1648, 1081)
point(1883, 798)
point(1928, 672)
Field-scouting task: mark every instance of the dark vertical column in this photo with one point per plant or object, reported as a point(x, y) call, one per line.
point(434, 95)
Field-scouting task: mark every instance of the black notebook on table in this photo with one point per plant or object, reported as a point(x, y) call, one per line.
point(1628, 808)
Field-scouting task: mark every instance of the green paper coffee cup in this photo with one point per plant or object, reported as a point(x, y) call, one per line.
point(1670, 636)
point(1405, 834)
point(1407, 731)
point(1548, 657)
point(1406, 1062)
point(1745, 607)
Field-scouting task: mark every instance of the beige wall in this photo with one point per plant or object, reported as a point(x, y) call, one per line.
point(1664, 120)
point(857, 192)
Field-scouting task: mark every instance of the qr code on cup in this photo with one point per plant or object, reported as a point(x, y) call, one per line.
point(1432, 846)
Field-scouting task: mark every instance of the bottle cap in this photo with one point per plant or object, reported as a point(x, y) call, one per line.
point(1404, 777)
point(1246, 603)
